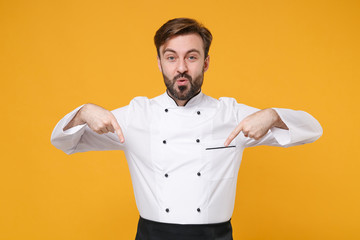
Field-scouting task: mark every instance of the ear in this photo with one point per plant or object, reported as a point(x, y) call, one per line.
point(159, 63)
point(206, 63)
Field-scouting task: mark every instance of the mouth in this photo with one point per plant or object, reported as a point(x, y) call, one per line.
point(182, 81)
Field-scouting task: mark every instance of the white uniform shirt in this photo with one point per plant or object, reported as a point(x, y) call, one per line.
point(180, 170)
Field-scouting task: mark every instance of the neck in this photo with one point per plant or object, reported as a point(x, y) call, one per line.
point(179, 102)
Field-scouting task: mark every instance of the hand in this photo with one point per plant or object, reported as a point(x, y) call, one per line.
point(98, 119)
point(257, 125)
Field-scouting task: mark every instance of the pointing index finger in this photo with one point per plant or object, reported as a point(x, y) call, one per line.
point(233, 135)
point(117, 128)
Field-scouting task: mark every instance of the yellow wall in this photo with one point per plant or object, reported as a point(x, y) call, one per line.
point(56, 55)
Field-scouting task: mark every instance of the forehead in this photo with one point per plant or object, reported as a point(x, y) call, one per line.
point(184, 43)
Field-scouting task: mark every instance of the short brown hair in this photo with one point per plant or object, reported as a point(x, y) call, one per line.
point(182, 26)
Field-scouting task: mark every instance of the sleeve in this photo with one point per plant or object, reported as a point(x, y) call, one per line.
point(303, 128)
point(82, 139)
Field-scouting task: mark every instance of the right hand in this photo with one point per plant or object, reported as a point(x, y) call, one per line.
point(100, 120)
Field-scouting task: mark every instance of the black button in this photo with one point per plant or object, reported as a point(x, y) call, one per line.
point(197, 140)
point(166, 110)
point(198, 112)
point(167, 210)
point(199, 174)
point(164, 142)
point(166, 175)
point(198, 210)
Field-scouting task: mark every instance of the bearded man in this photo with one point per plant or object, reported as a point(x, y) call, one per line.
point(183, 147)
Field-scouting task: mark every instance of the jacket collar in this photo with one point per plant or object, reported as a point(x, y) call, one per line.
point(166, 101)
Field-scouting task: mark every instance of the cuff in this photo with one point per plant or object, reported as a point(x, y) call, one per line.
point(282, 136)
point(68, 118)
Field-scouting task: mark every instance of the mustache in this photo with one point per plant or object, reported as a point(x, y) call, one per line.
point(183, 75)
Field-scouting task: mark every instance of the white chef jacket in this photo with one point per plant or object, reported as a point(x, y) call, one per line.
point(180, 170)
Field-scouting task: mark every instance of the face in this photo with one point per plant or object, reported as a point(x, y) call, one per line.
point(183, 65)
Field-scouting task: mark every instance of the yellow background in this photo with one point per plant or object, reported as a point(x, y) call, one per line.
point(57, 55)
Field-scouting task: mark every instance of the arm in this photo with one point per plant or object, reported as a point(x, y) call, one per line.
point(98, 119)
point(89, 127)
point(257, 125)
point(278, 127)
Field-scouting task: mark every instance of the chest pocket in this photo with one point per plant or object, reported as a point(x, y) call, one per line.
point(220, 160)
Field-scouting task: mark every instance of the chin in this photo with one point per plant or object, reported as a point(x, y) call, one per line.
point(181, 97)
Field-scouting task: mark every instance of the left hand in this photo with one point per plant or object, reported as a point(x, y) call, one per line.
point(257, 125)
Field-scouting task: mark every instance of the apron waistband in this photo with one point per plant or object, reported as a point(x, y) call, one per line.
point(151, 230)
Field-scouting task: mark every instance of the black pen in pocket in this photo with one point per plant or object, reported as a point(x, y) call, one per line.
point(213, 148)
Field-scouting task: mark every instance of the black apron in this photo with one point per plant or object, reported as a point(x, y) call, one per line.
point(150, 230)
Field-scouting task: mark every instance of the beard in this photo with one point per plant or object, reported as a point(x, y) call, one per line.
point(184, 92)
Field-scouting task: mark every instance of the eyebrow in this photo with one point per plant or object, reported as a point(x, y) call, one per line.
point(173, 51)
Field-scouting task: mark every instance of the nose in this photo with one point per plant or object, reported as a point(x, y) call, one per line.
point(182, 66)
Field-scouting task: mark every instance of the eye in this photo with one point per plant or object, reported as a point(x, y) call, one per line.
point(170, 58)
point(192, 58)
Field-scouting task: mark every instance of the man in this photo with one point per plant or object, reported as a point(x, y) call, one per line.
point(183, 148)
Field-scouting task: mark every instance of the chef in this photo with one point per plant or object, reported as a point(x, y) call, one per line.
point(183, 147)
